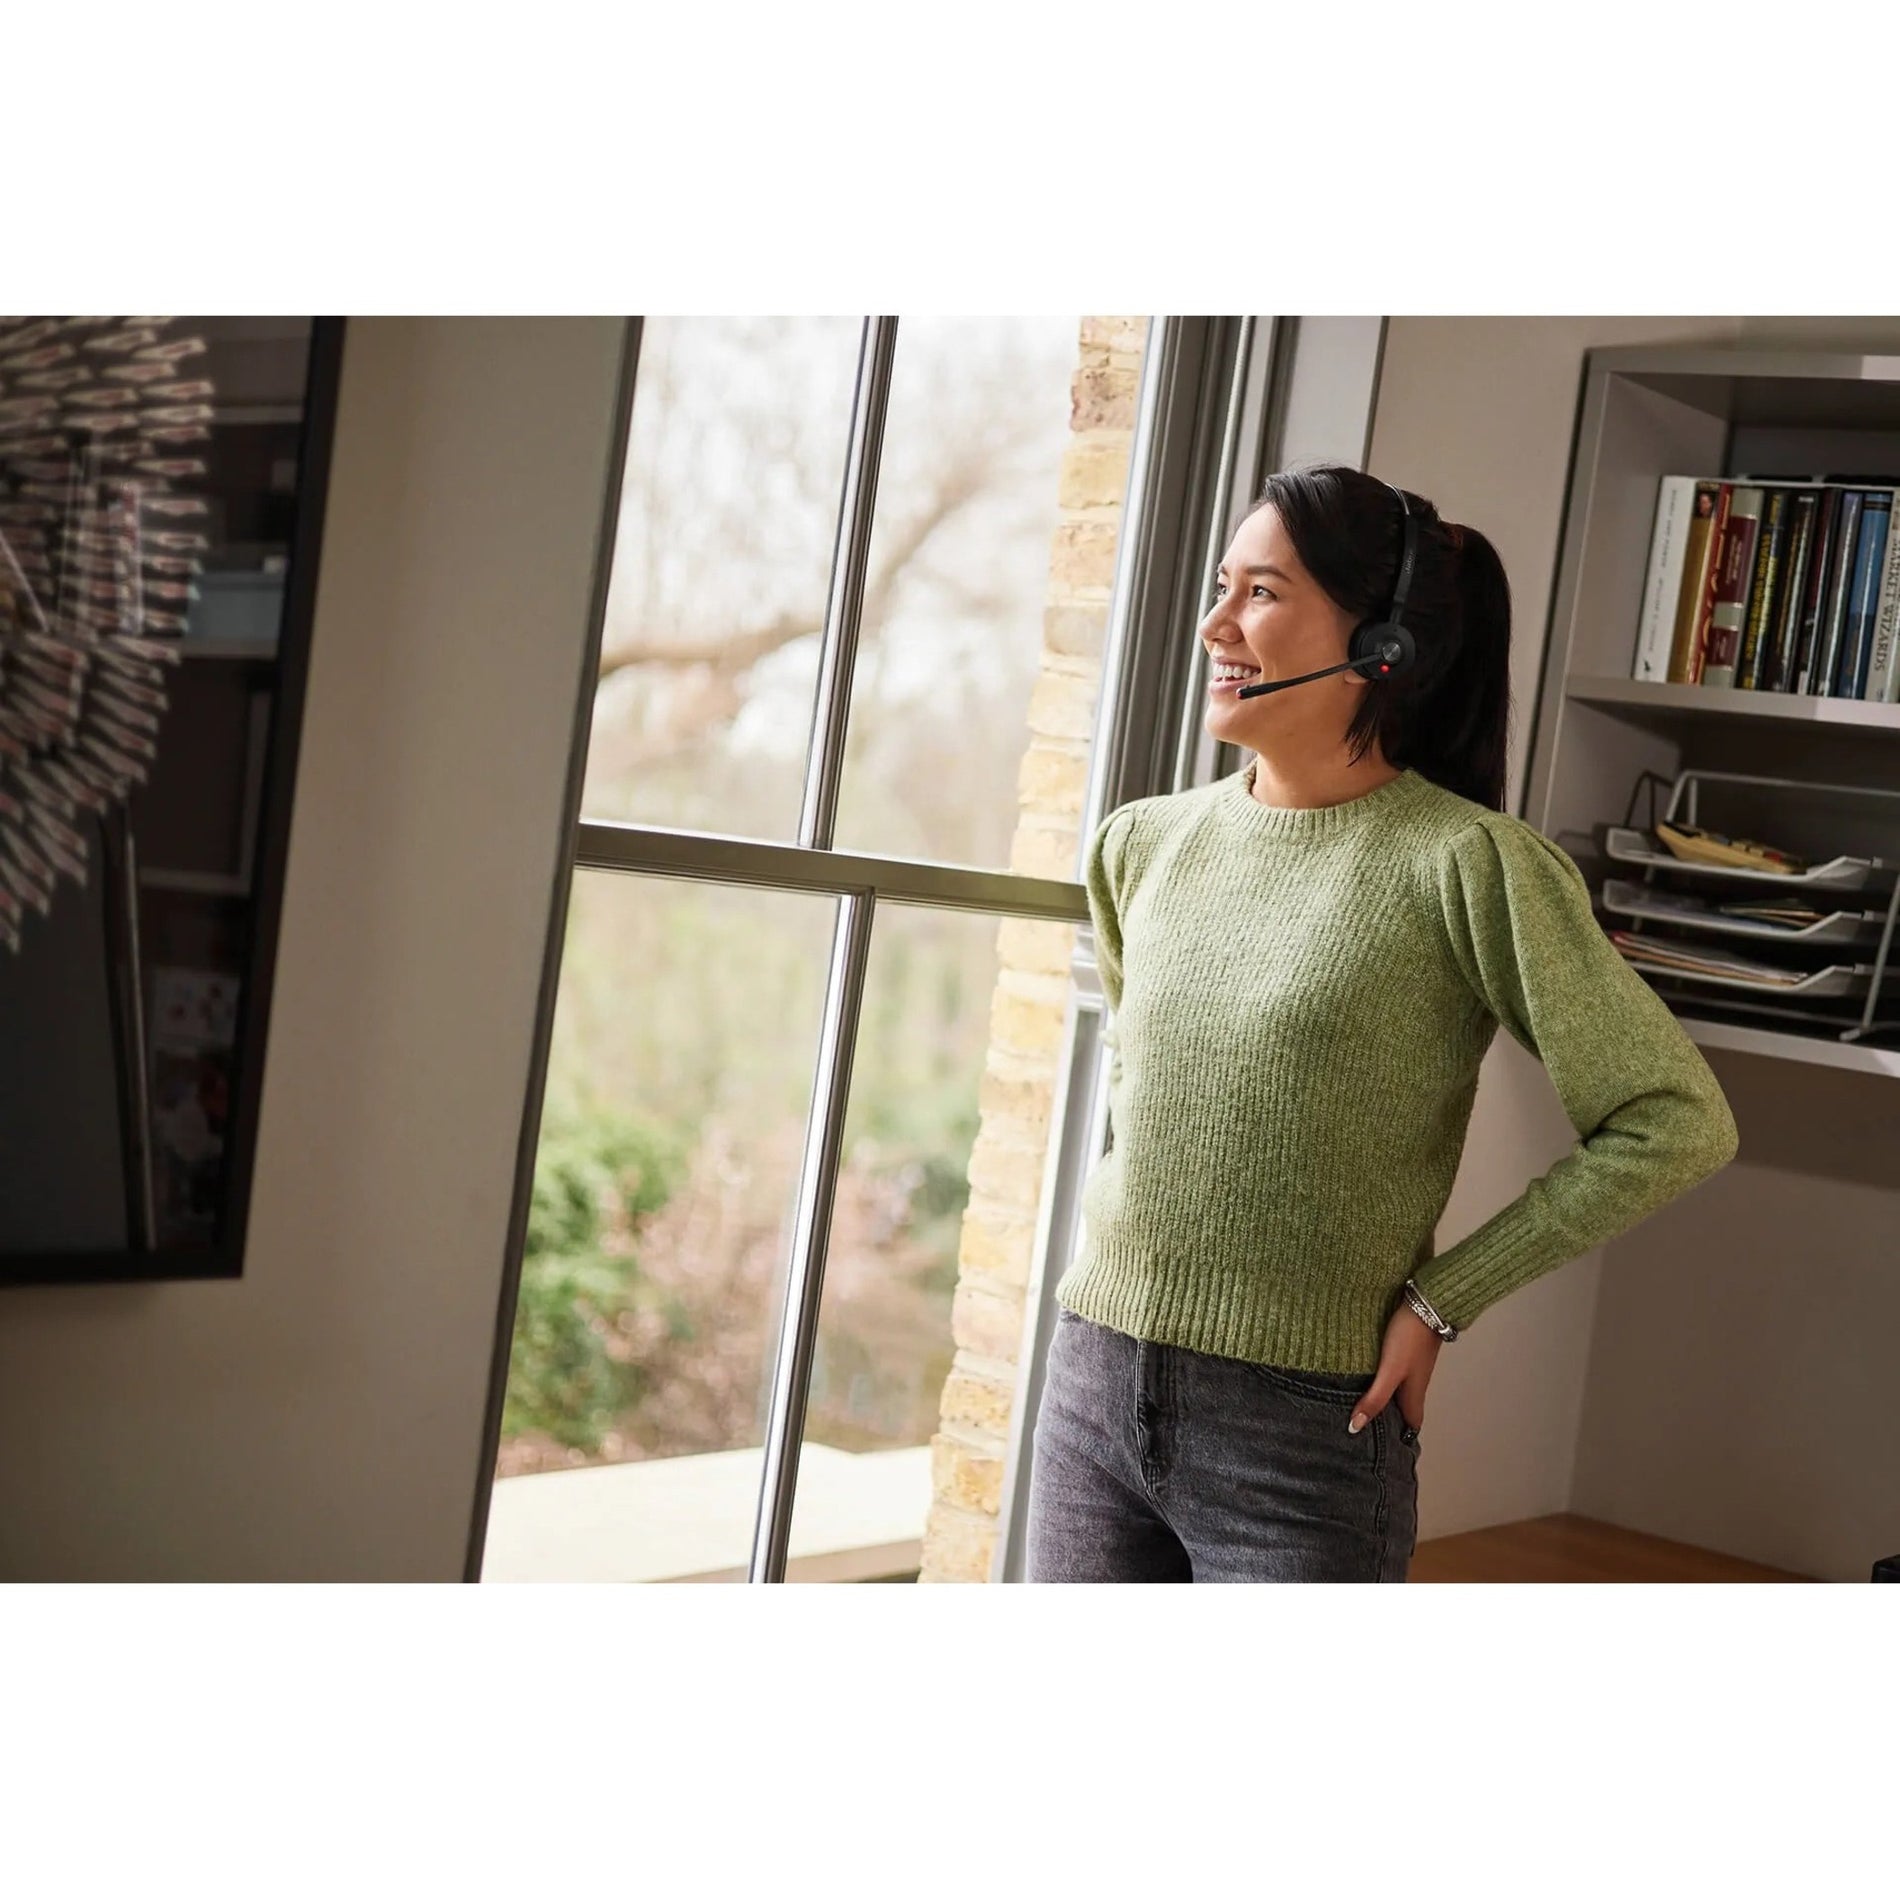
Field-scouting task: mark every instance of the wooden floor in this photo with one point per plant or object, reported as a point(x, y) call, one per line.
point(1566, 1548)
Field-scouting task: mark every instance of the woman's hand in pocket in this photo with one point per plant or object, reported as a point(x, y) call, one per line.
point(1406, 1360)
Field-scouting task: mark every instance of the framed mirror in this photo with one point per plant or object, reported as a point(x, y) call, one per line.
point(162, 483)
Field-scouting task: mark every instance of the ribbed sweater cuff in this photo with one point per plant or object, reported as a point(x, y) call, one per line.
point(1512, 1247)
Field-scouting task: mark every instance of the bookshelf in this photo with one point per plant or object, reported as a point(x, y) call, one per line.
point(1647, 412)
point(1726, 702)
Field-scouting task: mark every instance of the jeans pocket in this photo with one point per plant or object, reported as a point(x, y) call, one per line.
point(1337, 1389)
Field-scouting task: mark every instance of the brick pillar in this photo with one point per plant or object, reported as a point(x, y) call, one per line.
point(1032, 985)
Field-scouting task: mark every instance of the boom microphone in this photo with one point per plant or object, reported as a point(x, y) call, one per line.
point(1384, 657)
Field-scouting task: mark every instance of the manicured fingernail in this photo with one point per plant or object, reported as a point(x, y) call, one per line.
point(1358, 1422)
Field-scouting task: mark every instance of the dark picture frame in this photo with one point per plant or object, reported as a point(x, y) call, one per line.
point(263, 829)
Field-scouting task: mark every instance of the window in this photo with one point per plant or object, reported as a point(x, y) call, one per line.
point(813, 999)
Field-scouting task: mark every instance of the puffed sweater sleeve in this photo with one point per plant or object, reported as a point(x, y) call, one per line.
point(1651, 1117)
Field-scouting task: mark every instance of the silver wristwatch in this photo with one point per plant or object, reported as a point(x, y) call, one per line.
point(1427, 1312)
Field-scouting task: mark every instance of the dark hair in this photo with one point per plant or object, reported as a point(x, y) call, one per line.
point(1448, 714)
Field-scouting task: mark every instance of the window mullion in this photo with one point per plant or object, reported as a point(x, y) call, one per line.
point(844, 605)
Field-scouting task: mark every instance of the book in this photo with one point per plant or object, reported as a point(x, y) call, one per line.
point(1777, 666)
point(1883, 673)
point(1773, 583)
point(1827, 633)
point(1735, 571)
point(1814, 594)
point(1695, 598)
point(1870, 561)
point(1764, 587)
point(1662, 582)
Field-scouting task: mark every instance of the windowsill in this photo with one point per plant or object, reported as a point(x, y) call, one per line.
point(859, 1516)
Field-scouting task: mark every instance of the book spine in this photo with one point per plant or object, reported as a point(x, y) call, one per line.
point(1870, 556)
point(1778, 665)
point(1814, 595)
point(1735, 571)
point(1693, 598)
point(1883, 675)
point(1663, 580)
point(1770, 545)
point(1710, 576)
point(1827, 635)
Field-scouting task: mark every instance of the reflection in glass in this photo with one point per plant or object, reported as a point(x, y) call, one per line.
point(666, 1179)
point(149, 475)
point(716, 605)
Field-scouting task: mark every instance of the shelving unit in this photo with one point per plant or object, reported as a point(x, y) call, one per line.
point(1733, 1394)
point(1648, 413)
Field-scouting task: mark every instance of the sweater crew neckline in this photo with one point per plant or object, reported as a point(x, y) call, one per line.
point(1317, 821)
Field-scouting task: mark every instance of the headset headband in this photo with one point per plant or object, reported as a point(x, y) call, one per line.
point(1403, 585)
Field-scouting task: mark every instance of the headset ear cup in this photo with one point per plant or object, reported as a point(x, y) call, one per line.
point(1369, 636)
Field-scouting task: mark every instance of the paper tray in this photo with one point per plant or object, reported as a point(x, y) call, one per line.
point(1838, 979)
point(1646, 900)
point(1627, 845)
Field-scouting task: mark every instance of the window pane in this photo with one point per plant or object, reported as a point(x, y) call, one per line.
point(922, 1073)
point(685, 1039)
point(992, 561)
point(716, 604)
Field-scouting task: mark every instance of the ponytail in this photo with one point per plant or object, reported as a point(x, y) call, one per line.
point(1458, 731)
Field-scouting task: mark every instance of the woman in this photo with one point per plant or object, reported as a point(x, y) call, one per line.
point(1305, 963)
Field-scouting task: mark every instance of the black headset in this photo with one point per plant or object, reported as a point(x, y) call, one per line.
point(1373, 640)
point(1378, 648)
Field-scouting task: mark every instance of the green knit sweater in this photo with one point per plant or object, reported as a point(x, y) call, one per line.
point(1299, 1001)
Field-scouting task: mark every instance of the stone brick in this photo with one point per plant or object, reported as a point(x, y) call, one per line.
point(1095, 471)
point(997, 1239)
point(1115, 333)
point(1103, 398)
point(1023, 943)
point(1008, 1170)
point(985, 1404)
point(1044, 846)
point(1082, 552)
point(959, 1546)
point(1053, 779)
point(1078, 630)
point(1018, 1098)
point(1051, 988)
point(966, 1475)
point(1062, 705)
point(1024, 1025)
point(987, 1317)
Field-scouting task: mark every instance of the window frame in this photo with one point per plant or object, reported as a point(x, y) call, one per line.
point(1215, 398)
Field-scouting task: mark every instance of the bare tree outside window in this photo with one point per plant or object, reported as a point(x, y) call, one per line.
point(682, 1056)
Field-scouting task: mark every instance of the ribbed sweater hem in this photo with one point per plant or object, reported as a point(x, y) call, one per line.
point(1334, 1324)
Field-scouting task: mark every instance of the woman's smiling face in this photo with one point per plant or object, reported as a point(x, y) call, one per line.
point(1270, 616)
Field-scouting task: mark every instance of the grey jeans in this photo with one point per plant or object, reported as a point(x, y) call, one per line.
point(1156, 1464)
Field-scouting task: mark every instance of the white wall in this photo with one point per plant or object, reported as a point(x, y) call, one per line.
point(1478, 413)
point(321, 1418)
